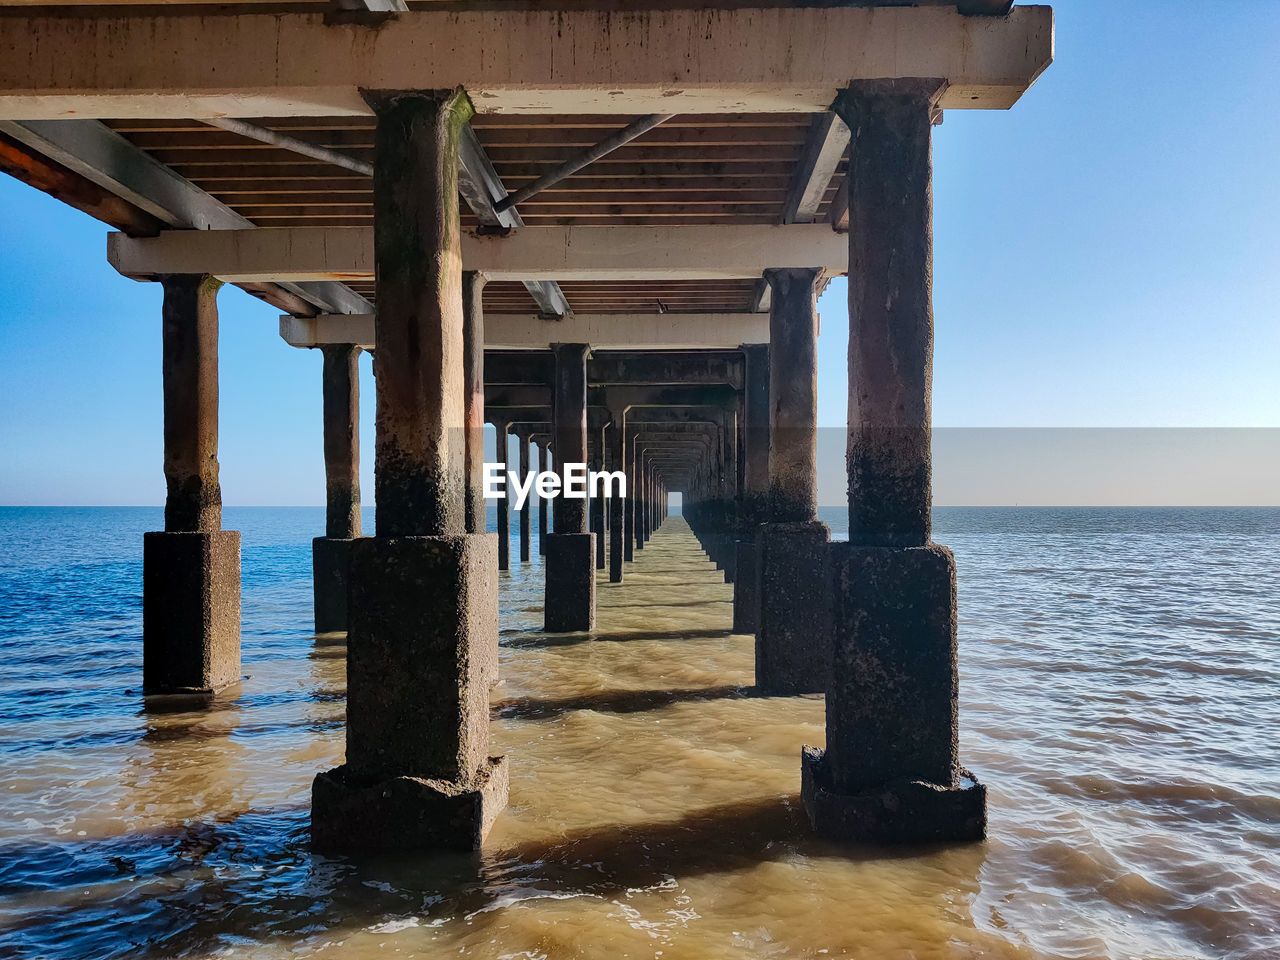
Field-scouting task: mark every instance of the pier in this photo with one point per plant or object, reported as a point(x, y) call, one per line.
point(603, 232)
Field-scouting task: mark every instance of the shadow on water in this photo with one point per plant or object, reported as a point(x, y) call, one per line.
point(673, 603)
point(532, 641)
point(610, 701)
point(194, 887)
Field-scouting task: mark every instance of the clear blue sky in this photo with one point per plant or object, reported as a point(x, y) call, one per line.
point(1106, 254)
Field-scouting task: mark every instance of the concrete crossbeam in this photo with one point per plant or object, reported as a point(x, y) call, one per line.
point(511, 60)
point(665, 331)
point(695, 252)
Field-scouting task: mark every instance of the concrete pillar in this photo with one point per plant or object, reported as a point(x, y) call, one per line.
point(891, 769)
point(629, 503)
point(502, 506)
point(755, 480)
point(331, 554)
point(423, 619)
point(473, 282)
point(191, 570)
point(597, 503)
point(641, 493)
point(526, 514)
point(616, 460)
point(793, 651)
point(570, 600)
point(726, 537)
point(544, 508)
point(648, 502)
point(646, 505)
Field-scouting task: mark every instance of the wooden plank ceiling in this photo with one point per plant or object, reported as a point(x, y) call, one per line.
point(723, 169)
point(691, 169)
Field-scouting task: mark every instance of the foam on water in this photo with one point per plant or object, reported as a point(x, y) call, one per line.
point(1119, 679)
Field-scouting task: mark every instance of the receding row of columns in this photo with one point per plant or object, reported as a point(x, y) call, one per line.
point(870, 622)
point(423, 621)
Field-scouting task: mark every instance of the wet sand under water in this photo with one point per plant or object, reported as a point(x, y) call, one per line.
point(654, 812)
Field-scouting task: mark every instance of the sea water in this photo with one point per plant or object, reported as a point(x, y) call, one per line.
point(1120, 696)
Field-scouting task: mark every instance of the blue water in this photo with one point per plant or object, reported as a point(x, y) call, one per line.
point(1120, 674)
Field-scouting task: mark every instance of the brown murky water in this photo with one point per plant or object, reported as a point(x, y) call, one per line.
point(654, 812)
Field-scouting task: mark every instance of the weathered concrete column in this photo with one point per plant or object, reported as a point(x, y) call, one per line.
point(629, 502)
point(331, 554)
point(616, 460)
point(473, 282)
point(526, 514)
point(544, 508)
point(755, 482)
point(423, 618)
point(891, 769)
point(502, 506)
point(648, 502)
point(570, 599)
point(726, 545)
point(597, 517)
point(793, 653)
point(641, 492)
point(191, 571)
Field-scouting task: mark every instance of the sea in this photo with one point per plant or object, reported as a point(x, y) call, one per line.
point(1120, 698)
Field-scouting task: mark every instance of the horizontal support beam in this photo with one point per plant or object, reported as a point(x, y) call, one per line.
point(524, 368)
point(517, 413)
point(657, 331)
point(638, 417)
point(503, 397)
point(524, 396)
point(699, 252)
point(630, 396)
point(606, 367)
point(626, 61)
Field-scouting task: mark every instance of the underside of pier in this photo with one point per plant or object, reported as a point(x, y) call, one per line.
point(600, 229)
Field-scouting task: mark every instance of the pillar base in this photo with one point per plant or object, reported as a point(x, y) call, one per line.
point(892, 707)
point(423, 639)
point(190, 611)
point(793, 636)
point(330, 574)
point(729, 557)
point(909, 811)
point(570, 599)
point(746, 589)
point(405, 813)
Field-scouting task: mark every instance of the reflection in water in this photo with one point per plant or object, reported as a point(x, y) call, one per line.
point(1112, 699)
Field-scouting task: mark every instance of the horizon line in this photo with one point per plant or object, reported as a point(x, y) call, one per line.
point(821, 506)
